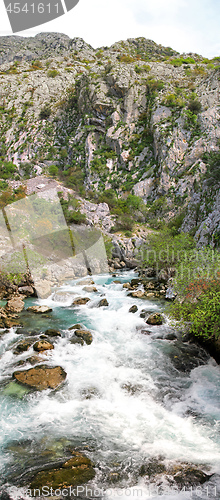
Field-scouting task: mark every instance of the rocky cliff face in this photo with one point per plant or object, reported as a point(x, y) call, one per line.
point(135, 117)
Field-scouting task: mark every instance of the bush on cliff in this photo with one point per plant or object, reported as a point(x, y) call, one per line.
point(197, 283)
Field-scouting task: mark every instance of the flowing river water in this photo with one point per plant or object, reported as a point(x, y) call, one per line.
point(129, 397)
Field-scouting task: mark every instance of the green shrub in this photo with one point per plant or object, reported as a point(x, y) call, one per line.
point(201, 306)
point(53, 170)
point(124, 223)
point(173, 101)
point(3, 185)
point(195, 106)
point(212, 161)
point(45, 113)
point(7, 169)
point(163, 250)
point(52, 73)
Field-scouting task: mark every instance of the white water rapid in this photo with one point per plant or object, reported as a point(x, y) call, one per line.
point(127, 397)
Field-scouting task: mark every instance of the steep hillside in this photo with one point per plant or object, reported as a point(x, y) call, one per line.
point(132, 118)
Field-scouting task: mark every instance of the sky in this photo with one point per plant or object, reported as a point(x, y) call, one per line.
point(184, 25)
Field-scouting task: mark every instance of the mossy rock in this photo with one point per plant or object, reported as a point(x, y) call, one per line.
point(155, 319)
point(43, 345)
point(52, 332)
point(85, 335)
point(81, 301)
point(103, 303)
point(23, 346)
point(77, 470)
point(41, 377)
point(76, 327)
point(133, 309)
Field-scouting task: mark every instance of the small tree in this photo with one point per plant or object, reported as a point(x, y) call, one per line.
point(53, 170)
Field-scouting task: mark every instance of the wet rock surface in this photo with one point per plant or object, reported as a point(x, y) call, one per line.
point(175, 474)
point(155, 319)
point(103, 303)
point(75, 471)
point(15, 305)
point(85, 335)
point(81, 301)
point(133, 309)
point(39, 309)
point(42, 345)
point(41, 377)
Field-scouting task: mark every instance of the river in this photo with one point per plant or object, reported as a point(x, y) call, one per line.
point(129, 397)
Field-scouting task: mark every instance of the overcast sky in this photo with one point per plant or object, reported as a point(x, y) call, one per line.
point(184, 25)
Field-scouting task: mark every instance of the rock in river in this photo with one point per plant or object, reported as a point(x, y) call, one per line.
point(85, 335)
point(133, 309)
point(41, 377)
point(103, 303)
point(43, 345)
point(39, 309)
point(15, 305)
point(52, 332)
point(75, 471)
point(155, 319)
point(80, 301)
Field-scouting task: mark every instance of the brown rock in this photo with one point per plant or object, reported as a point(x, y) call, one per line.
point(127, 285)
point(85, 335)
point(80, 301)
point(103, 303)
point(23, 346)
point(9, 322)
point(138, 294)
point(133, 309)
point(39, 309)
point(15, 305)
point(52, 332)
point(76, 327)
point(33, 360)
point(26, 290)
point(75, 471)
point(41, 377)
point(86, 281)
point(90, 289)
point(155, 319)
point(43, 345)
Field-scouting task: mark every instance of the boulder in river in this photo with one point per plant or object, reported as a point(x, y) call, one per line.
point(90, 289)
point(22, 346)
point(155, 319)
point(179, 474)
point(77, 326)
point(39, 309)
point(127, 285)
point(85, 335)
point(52, 332)
point(43, 345)
point(80, 301)
point(28, 290)
point(138, 294)
point(41, 377)
point(75, 471)
point(103, 303)
point(86, 281)
point(15, 305)
point(133, 309)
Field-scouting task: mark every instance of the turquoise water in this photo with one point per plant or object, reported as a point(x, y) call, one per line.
point(127, 396)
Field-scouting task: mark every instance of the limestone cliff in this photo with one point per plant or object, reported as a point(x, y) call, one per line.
point(135, 117)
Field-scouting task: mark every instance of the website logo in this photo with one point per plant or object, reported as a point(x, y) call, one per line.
point(26, 14)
